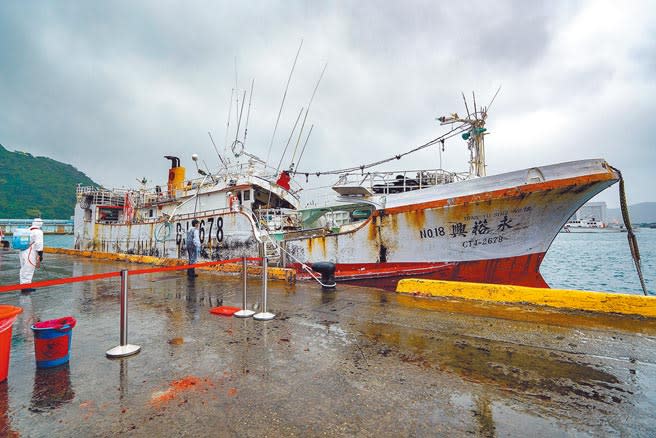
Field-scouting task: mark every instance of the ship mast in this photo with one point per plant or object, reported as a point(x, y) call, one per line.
point(474, 135)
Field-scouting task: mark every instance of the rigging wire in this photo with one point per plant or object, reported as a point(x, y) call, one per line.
point(241, 112)
point(452, 133)
point(304, 145)
point(284, 96)
point(248, 114)
point(217, 150)
point(225, 142)
point(300, 132)
point(291, 134)
point(492, 101)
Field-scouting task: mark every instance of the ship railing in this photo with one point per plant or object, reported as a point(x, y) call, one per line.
point(204, 213)
point(397, 181)
point(277, 219)
point(256, 169)
point(145, 195)
point(98, 196)
point(330, 218)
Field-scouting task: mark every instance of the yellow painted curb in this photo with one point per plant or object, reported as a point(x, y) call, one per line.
point(273, 273)
point(560, 298)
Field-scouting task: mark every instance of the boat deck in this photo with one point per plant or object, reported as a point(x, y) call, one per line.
point(356, 361)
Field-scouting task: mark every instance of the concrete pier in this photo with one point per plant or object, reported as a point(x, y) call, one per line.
point(354, 362)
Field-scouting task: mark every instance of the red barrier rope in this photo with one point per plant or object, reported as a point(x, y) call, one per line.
point(81, 278)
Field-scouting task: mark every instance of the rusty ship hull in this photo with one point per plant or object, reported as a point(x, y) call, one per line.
point(493, 229)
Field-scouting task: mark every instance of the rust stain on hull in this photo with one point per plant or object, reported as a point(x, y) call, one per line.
point(415, 218)
point(567, 184)
point(320, 242)
point(373, 230)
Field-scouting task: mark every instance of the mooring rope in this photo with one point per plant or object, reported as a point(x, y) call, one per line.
point(633, 242)
point(305, 267)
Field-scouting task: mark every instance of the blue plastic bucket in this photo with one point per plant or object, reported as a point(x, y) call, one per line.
point(52, 341)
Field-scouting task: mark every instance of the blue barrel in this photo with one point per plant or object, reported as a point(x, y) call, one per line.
point(52, 341)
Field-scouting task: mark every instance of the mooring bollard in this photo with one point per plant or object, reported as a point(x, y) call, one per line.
point(264, 315)
point(124, 349)
point(244, 312)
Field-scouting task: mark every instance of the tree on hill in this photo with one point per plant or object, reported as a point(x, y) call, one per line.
point(37, 186)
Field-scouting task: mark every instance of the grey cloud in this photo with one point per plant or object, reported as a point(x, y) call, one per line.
point(111, 87)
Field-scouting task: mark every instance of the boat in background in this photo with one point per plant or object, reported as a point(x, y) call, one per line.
point(383, 226)
point(591, 226)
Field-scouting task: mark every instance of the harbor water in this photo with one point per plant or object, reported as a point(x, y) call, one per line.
point(600, 262)
point(585, 261)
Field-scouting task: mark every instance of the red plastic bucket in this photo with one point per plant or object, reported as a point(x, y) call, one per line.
point(8, 315)
point(52, 341)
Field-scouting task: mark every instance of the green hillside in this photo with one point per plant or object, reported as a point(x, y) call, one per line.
point(37, 186)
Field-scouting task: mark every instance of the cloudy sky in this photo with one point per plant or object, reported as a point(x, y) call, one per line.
point(111, 87)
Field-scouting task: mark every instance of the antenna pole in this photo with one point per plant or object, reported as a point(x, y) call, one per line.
point(225, 141)
point(491, 102)
point(304, 144)
point(474, 136)
point(300, 132)
point(466, 107)
point(289, 140)
point(241, 111)
point(283, 101)
point(479, 147)
point(248, 114)
point(217, 150)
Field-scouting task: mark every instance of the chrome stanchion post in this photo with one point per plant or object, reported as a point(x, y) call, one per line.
point(124, 349)
point(244, 313)
point(264, 315)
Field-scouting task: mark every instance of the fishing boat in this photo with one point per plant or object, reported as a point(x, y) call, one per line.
point(382, 226)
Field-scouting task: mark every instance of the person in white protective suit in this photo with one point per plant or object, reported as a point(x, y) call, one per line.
point(33, 255)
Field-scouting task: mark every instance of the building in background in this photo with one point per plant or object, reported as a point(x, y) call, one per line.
point(592, 211)
point(591, 217)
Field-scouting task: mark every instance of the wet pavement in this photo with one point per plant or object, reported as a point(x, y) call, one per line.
point(355, 362)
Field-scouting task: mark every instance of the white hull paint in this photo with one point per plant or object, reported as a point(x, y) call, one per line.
point(494, 228)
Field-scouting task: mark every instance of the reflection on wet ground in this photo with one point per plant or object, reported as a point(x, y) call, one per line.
point(356, 361)
point(52, 388)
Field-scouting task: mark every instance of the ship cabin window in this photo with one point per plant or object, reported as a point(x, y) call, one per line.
point(87, 215)
point(247, 195)
point(108, 214)
point(150, 213)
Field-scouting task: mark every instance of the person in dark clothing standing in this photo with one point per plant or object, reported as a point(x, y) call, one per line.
point(193, 246)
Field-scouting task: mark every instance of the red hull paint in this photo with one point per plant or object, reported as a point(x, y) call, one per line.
point(521, 270)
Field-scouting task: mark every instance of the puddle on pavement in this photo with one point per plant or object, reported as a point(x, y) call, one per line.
point(52, 388)
point(355, 361)
point(541, 375)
